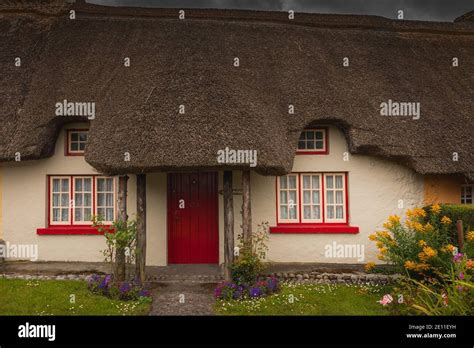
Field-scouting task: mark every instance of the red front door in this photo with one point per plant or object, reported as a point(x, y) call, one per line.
point(193, 232)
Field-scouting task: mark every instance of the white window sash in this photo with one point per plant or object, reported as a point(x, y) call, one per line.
point(323, 140)
point(321, 189)
point(96, 194)
point(82, 192)
point(334, 204)
point(69, 141)
point(280, 219)
point(51, 213)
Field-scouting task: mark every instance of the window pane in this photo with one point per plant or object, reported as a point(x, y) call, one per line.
point(100, 185)
point(82, 146)
point(78, 184)
point(292, 182)
point(78, 199)
point(87, 214)
point(339, 181)
point(292, 212)
point(74, 146)
point(87, 185)
point(306, 181)
point(316, 197)
point(56, 215)
point(101, 212)
point(64, 214)
point(307, 212)
point(56, 185)
point(65, 185)
point(283, 197)
point(64, 200)
point(330, 196)
point(310, 135)
point(319, 135)
point(292, 197)
point(315, 181)
point(306, 197)
point(87, 200)
point(78, 214)
point(110, 185)
point(110, 214)
point(319, 145)
point(303, 136)
point(310, 145)
point(110, 199)
point(330, 212)
point(316, 212)
point(283, 212)
point(301, 145)
point(83, 136)
point(339, 197)
point(55, 200)
point(339, 212)
point(329, 181)
point(74, 136)
point(101, 199)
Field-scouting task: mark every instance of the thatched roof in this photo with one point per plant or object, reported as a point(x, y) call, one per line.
point(190, 63)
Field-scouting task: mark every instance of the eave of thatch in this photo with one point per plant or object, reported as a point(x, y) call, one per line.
point(190, 62)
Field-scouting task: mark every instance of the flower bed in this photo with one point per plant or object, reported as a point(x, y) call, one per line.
point(234, 291)
point(125, 291)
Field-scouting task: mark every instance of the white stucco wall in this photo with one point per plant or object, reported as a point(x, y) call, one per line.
point(375, 188)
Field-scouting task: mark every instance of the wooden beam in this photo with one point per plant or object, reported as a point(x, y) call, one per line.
point(228, 224)
point(140, 261)
point(120, 270)
point(246, 208)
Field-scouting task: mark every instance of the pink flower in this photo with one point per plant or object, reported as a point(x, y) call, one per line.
point(386, 299)
point(445, 299)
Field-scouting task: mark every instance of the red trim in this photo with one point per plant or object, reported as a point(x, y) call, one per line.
point(324, 227)
point(67, 230)
point(316, 152)
point(314, 228)
point(67, 141)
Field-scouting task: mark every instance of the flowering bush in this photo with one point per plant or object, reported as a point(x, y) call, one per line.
point(126, 291)
point(233, 291)
point(420, 246)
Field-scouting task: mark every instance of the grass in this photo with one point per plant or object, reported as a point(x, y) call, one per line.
point(53, 297)
point(311, 299)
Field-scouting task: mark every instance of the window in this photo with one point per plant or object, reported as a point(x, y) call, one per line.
point(323, 198)
point(76, 142)
point(466, 194)
point(313, 141)
point(74, 199)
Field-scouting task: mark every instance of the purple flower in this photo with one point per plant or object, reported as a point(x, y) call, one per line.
point(458, 257)
point(105, 282)
point(461, 276)
point(125, 287)
point(218, 292)
point(460, 288)
point(255, 292)
point(144, 293)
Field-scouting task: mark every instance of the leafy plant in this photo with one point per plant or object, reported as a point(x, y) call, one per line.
point(125, 291)
point(121, 243)
point(248, 265)
point(455, 212)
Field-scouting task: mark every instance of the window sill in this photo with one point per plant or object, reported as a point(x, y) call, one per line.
point(68, 230)
point(315, 229)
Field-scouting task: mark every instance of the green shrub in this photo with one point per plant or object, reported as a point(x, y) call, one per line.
point(455, 212)
point(248, 265)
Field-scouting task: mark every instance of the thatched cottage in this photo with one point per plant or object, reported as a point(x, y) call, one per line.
point(206, 123)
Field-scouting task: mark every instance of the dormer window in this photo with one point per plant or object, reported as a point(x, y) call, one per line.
point(313, 141)
point(76, 142)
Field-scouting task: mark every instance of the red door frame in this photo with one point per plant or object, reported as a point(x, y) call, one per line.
point(214, 198)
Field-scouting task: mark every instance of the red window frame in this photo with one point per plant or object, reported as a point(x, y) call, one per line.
point(314, 227)
point(324, 151)
point(67, 142)
point(80, 227)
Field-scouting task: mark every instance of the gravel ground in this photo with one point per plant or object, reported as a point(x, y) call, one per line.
point(183, 298)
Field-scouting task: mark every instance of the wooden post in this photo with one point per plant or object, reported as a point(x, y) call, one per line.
point(228, 224)
point(460, 234)
point(246, 209)
point(122, 206)
point(140, 261)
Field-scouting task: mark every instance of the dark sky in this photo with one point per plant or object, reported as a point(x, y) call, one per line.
point(428, 10)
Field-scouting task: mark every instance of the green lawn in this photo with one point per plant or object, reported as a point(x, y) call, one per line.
point(53, 297)
point(311, 299)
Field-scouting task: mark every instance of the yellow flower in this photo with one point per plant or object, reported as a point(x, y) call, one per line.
point(422, 267)
point(394, 219)
point(429, 251)
point(383, 250)
point(435, 208)
point(448, 248)
point(470, 236)
point(418, 227)
point(381, 257)
point(422, 243)
point(428, 228)
point(410, 265)
point(373, 236)
point(379, 244)
point(445, 220)
point(369, 266)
